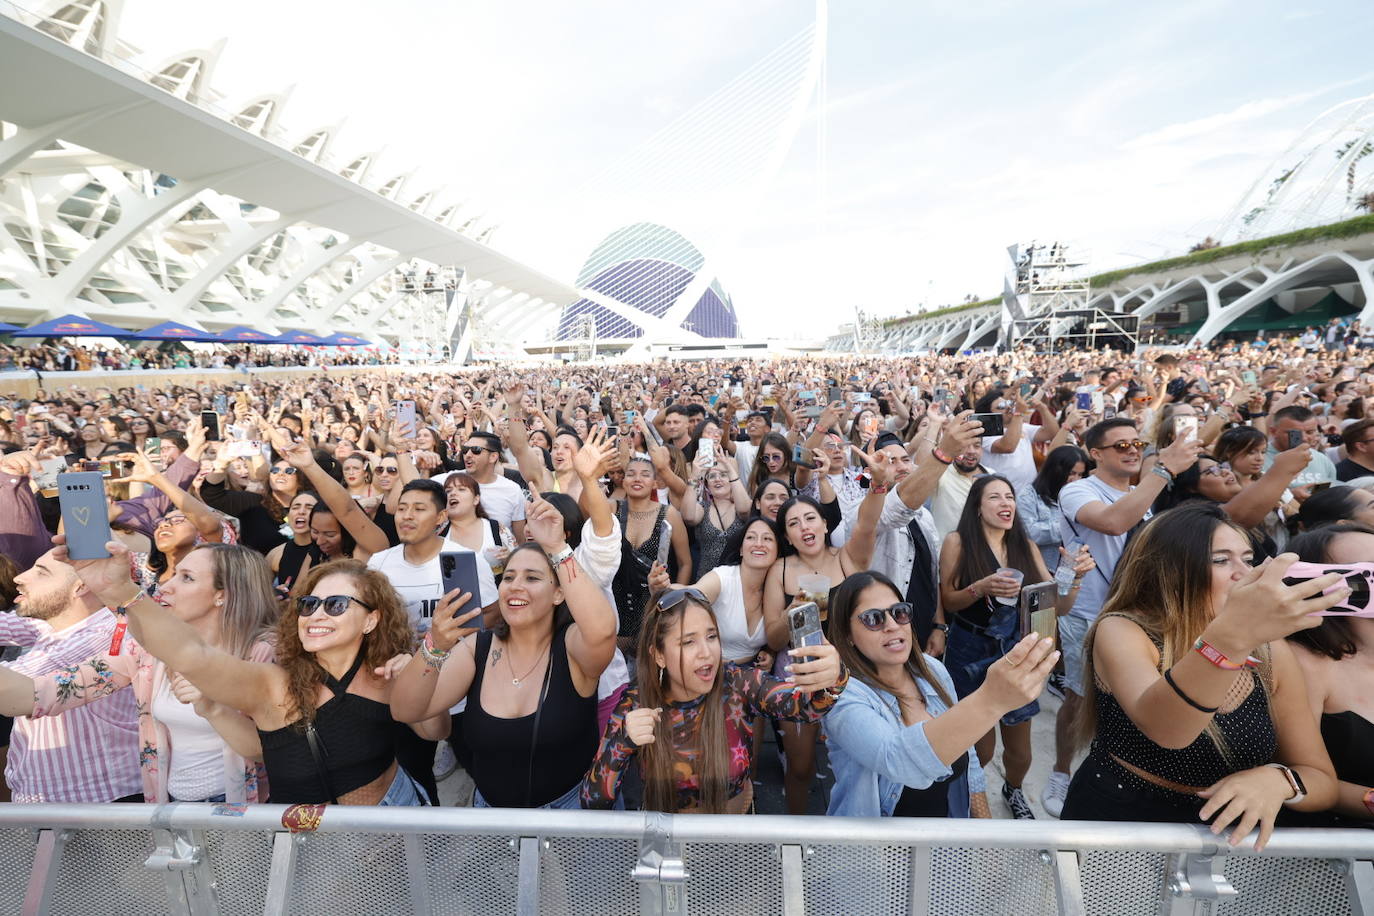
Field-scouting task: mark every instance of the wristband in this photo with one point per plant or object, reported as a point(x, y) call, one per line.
point(878, 490)
point(941, 456)
point(1215, 656)
point(1369, 800)
point(433, 657)
point(564, 555)
point(1169, 679)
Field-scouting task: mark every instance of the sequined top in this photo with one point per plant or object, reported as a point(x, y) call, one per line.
point(747, 693)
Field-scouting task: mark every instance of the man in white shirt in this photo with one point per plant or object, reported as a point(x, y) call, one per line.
point(953, 488)
point(1011, 453)
point(502, 499)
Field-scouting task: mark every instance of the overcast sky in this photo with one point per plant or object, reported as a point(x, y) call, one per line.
point(954, 129)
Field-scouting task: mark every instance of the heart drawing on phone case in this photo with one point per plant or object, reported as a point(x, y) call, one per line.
point(82, 514)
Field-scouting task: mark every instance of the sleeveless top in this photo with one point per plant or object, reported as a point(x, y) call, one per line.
point(711, 539)
point(292, 558)
point(1348, 737)
point(1248, 731)
point(933, 800)
point(512, 765)
point(736, 642)
point(631, 583)
point(357, 739)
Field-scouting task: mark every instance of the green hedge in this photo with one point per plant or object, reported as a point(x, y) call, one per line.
point(1350, 228)
point(939, 313)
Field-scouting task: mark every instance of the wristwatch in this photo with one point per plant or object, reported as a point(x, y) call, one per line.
point(1162, 471)
point(1294, 782)
point(942, 627)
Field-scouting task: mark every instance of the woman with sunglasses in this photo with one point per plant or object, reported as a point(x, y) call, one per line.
point(697, 758)
point(899, 742)
point(321, 710)
point(530, 679)
point(980, 600)
point(260, 515)
point(1340, 682)
point(192, 749)
point(1193, 701)
point(775, 463)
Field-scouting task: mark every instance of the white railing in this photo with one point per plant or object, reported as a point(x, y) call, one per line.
point(226, 859)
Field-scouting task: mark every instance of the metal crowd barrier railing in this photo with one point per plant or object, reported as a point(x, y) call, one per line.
point(225, 859)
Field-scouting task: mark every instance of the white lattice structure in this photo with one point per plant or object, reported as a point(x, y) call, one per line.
point(132, 192)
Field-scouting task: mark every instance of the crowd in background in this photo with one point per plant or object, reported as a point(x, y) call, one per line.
point(647, 538)
point(67, 357)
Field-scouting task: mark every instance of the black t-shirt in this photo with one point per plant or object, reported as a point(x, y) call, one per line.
point(1349, 470)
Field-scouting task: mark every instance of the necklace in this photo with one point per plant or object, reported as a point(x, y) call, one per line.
point(645, 513)
point(517, 680)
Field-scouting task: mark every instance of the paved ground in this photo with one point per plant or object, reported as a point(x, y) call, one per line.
point(457, 789)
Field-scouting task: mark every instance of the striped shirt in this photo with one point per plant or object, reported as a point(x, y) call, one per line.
point(88, 754)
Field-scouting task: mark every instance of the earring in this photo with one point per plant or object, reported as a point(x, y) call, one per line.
point(662, 674)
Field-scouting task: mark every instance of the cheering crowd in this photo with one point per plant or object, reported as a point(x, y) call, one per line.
point(61, 357)
point(651, 542)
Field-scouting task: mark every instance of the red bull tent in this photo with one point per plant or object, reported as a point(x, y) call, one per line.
point(73, 326)
point(302, 338)
point(171, 330)
point(241, 334)
point(346, 340)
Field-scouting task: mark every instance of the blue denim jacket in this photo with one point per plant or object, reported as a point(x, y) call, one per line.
point(874, 755)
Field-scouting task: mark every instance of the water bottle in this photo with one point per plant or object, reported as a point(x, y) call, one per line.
point(1064, 574)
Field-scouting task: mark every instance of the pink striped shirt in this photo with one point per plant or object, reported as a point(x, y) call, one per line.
point(83, 755)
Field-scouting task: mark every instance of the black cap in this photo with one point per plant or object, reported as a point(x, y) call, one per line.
point(885, 439)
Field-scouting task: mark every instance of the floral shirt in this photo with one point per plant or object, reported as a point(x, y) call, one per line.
point(747, 693)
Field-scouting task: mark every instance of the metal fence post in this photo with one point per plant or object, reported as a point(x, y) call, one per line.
point(919, 874)
point(285, 848)
point(1359, 885)
point(793, 887)
point(43, 876)
point(527, 893)
point(660, 871)
point(1193, 884)
point(418, 874)
point(1068, 881)
point(181, 856)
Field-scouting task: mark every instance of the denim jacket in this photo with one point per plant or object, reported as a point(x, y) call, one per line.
point(874, 755)
point(1041, 523)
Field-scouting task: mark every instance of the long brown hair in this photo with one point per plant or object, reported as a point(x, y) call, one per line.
point(1172, 609)
point(250, 604)
point(976, 559)
point(392, 636)
point(658, 759)
point(843, 603)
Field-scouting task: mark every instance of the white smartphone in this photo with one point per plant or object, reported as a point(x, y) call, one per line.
point(707, 449)
point(1185, 428)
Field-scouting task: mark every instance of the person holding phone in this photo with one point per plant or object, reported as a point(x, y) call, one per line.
point(642, 521)
point(900, 742)
point(697, 758)
point(714, 507)
point(192, 749)
point(1194, 704)
point(530, 679)
point(1293, 425)
point(979, 597)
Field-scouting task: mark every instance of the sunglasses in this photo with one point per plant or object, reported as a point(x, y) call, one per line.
point(873, 618)
point(334, 605)
point(284, 470)
point(1216, 470)
point(384, 469)
point(1127, 445)
point(672, 597)
point(772, 458)
point(476, 449)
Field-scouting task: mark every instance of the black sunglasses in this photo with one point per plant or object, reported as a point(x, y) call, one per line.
point(873, 618)
point(476, 449)
point(388, 469)
point(288, 469)
point(334, 605)
point(672, 597)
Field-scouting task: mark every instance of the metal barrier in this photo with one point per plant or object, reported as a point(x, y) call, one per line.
point(132, 860)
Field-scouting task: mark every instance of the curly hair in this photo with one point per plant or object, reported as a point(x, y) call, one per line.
point(392, 636)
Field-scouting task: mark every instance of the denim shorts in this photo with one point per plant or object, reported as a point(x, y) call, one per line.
point(1072, 631)
point(571, 799)
point(968, 655)
point(404, 791)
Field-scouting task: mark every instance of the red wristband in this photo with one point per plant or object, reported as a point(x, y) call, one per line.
point(1214, 655)
point(941, 456)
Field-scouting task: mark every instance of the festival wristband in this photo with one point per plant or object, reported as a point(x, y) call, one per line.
point(1215, 656)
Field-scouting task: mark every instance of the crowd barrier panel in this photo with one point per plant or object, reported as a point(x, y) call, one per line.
point(203, 860)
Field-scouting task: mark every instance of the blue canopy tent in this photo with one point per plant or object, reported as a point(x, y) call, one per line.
point(171, 330)
point(339, 339)
point(241, 334)
point(7, 328)
point(302, 338)
point(73, 326)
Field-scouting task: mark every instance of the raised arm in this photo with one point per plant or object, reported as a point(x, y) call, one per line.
point(350, 515)
point(1249, 507)
point(589, 463)
point(207, 522)
point(591, 637)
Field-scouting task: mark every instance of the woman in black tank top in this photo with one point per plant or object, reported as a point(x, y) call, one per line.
point(1193, 700)
point(287, 560)
point(322, 710)
point(531, 679)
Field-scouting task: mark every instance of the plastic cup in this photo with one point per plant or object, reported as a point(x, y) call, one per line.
point(1016, 574)
point(815, 587)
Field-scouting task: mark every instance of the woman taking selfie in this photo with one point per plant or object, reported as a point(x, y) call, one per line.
point(530, 679)
point(327, 688)
point(697, 757)
point(193, 749)
point(980, 595)
point(1194, 703)
point(715, 506)
point(899, 743)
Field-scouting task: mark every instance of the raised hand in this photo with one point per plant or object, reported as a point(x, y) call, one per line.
point(544, 524)
point(640, 725)
point(592, 455)
point(821, 672)
point(449, 626)
point(1019, 676)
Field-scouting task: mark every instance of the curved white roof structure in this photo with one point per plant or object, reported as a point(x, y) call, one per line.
point(132, 192)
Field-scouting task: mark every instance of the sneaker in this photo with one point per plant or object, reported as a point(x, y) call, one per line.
point(1016, 801)
point(1056, 790)
point(445, 762)
point(1056, 685)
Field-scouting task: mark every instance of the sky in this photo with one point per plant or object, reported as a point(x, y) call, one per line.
point(948, 131)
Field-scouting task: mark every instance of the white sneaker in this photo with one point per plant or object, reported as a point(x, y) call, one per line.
point(1056, 790)
point(445, 762)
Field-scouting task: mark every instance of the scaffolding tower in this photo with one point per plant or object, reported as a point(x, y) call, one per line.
point(1045, 303)
point(868, 331)
point(434, 331)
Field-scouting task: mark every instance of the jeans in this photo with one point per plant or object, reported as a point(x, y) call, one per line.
point(968, 655)
point(569, 800)
point(1104, 790)
point(404, 792)
point(213, 799)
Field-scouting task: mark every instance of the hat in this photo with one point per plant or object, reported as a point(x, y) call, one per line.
point(885, 439)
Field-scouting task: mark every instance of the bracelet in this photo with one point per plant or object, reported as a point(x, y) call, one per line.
point(1369, 800)
point(973, 589)
point(1215, 656)
point(877, 490)
point(734, 480)
point(941, 456)
point(1169, 679)
point(433, 657)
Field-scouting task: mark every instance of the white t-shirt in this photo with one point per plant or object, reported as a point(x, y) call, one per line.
point(735, 640)
point(422, 586)
point(1106, 548)
point(1017, 466)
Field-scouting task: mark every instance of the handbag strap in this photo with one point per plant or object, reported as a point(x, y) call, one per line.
point(534, 734)
point(317, 751)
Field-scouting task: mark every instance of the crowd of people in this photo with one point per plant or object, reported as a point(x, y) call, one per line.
point(58, 356)
point(272, 623)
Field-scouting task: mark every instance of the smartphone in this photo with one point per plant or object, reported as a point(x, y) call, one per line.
point(85, 518)
point(736, 391)
point(834, 394)
point(800, 457)
point(612, 431)
point(1318, 487)
point(241, 398)
point(804, 625)
point(1083, 400)
point(665, 544)
point(943, 399)
point(210, 420)
point(1027, 389)
point(405, 415)
point(993, 423)
point(243, 448)
point(458, 569)
point(707, 448)
point(152, 446)
point(1356, 576)
point(220, 403)
point(1249, 377)
point(1296, 437)
point(306, 403)
point(1037, 609)
point(1185, 428)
